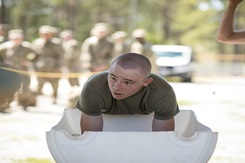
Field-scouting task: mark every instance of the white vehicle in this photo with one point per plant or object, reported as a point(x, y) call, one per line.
point(174, 60)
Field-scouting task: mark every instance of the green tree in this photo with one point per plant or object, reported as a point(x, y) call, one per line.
point(167, 22)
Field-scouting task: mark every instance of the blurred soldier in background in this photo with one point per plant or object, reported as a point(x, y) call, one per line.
point(73, 63)
point(99, 48)
point(17, 54)
point(85, 56)
point(10, 84)
point(50, 60)
point(141, 46)
point(72, 55)
point(121, 46)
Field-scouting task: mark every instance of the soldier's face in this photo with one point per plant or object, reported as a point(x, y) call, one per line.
point(46, 36)
point(16, 41)
point(101, 34)
point(124, 83)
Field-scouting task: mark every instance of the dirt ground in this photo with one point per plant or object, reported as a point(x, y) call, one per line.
point(23, 133)
point(219, 106)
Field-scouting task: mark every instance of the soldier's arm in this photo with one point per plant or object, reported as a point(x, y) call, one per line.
point(226, 33)
point(91, 123)
point(163, 125)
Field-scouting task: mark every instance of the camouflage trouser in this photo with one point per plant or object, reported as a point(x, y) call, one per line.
point(26, 81)
point(74, 67)
point(5, 100)
point(54, 83)
point(26, 97)
point(73, 81)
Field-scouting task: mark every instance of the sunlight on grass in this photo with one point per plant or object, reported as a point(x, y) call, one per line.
point(184, 102)
point(34, 160)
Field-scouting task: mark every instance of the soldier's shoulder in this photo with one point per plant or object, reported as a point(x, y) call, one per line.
point(26, 44)
point(91, 40)
point(72, 42)
point(6, 45)
point(56, 40)
point(38, 41)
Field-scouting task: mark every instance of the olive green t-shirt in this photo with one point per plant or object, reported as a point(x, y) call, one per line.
point(157, 97)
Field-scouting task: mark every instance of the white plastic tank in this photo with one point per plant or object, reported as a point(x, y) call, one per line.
point(129, 139)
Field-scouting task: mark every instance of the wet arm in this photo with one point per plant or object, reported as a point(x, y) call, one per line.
point(91, 123)
point(163, 125)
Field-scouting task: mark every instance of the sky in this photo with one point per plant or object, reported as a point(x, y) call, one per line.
point(217, 4)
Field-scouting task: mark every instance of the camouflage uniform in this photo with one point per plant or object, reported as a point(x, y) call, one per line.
point(72, 55)
point(50, 58)
point(141, 46)
point(18, 58)
point(120, 44)
point(99, 48)
point(18, 54)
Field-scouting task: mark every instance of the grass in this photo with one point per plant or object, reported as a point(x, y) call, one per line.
point(185, 102)
point(34, 160)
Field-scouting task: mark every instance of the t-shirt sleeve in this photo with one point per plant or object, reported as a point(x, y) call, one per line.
point(90, 101)
point(166, 107)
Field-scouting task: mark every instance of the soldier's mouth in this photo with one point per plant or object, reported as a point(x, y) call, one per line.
point(117, 93)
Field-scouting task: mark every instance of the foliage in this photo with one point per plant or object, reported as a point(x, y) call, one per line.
point(167, 22)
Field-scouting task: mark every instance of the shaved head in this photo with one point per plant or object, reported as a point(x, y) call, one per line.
point(133, 61)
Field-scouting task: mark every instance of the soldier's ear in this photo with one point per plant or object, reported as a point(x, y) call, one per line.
point(148, 81)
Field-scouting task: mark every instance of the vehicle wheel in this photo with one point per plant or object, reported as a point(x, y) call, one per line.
point(187, 79)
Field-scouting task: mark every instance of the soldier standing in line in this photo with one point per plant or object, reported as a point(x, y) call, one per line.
point(50, 60)
point(72, 55)
point(99, 48)
point(141, 46)
point(18, 54)
point(121, 46)
point(85, 56)
point(72, 61)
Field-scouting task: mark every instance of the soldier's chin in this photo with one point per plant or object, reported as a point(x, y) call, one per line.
point(118, 96)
